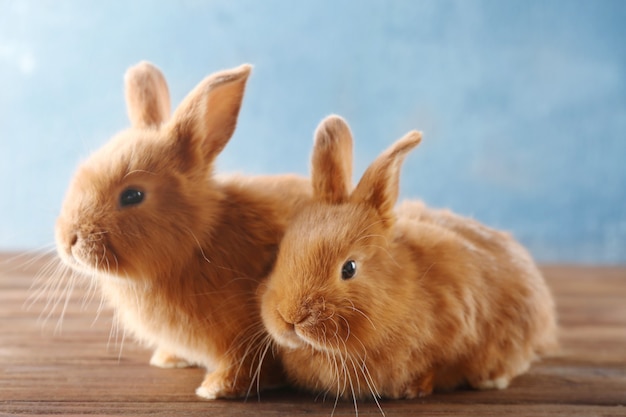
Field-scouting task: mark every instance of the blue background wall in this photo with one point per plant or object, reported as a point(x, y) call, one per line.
point(523, 103)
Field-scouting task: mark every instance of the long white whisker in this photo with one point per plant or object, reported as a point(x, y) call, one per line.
point(367, 376)
point(119, 356)
point(99, 309)
point(55, 297)
point(24, 260)
point(68, 294)
point(263, 349)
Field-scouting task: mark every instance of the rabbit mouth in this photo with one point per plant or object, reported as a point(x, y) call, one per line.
point(320, 339)
point(311, 335)
point(295, 336)
point(90, 255)
point(290, 339)
point(309, 326)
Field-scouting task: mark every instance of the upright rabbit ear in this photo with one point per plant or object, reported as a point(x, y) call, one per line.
point(379, 186)
point(207, 117)
point(331, 162)
point(147, 95)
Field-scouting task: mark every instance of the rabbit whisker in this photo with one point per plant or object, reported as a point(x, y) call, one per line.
point(371, 225)
point(44, 280)
point(367, 376)
point(68, 294)
point(137, 171)
point(55, 294)
point(348, 377)
point(358, 384)
point(372, 235)
point(24, 260)
point(384, 249)
point(337, 376)
point(198, 243)
point(356, 310)
point(427, 271)
point(119, 355)
point(348, 368)
point(347, 326)
point(264, 347)
point(249, 347)
point(100, 304)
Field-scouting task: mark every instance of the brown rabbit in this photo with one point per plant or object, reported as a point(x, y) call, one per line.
point(178, 252)
point(367, 301)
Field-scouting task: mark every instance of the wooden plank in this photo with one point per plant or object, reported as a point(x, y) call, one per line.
point(84, 368)
point(262, 409)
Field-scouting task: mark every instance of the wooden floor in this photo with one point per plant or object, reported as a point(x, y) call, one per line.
point(80, 367)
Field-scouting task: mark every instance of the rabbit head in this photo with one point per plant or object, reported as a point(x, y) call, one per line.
point(325, 291)
point(147, 194)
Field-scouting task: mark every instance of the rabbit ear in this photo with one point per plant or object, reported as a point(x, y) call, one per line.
point(379, 186)
point(147, 95)
point(331, 162)
point(207, 117)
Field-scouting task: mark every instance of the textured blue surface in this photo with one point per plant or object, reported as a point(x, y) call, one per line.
point(523, 103)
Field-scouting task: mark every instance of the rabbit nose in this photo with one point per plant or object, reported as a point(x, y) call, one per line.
point(297, 317)
point(73, 239)
point(305, 316)
point(70, 244)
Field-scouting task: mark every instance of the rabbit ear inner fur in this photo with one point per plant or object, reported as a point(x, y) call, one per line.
point(331, 161)
point(379, 186)
point(207, 117)
point(147, 95)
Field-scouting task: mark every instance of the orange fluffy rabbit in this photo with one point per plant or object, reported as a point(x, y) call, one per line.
point(177, 251)
point(368, 301)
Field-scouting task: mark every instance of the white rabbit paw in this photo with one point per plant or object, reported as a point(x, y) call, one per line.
point(163, 359)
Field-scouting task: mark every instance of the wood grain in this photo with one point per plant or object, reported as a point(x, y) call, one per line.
point(79, 366)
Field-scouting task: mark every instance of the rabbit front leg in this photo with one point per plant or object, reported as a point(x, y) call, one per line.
point(163, 359)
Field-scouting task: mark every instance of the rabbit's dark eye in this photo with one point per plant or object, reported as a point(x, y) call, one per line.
point(131, 197)
point(348, 270)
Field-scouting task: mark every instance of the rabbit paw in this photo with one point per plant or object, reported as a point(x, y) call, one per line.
point(220, 385)
point(496, 383)
point(163, 359)
point(242, 380)
point(420, 387)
